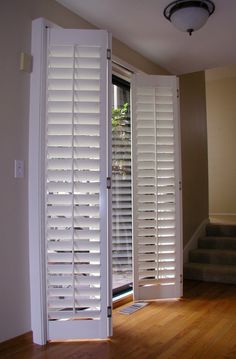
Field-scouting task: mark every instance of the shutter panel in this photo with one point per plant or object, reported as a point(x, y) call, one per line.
point(76, 194)
point(156, 197)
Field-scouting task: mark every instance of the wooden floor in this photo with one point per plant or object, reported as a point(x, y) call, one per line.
point(201, 325)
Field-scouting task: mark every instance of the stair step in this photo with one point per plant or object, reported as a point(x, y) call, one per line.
point(224, 230)
point(210, 272)
point(213, 256)
point(217, 242)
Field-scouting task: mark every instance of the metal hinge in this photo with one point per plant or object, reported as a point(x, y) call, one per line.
point(108, 54)
point(108, 182)
point(109, 312)
point(180, 185)
point(177, 93)
point(181, 278)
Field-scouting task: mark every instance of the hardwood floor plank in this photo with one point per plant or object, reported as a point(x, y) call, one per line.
point(201, 325)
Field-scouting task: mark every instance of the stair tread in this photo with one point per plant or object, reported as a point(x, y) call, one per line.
point(210, 272)
point(213, 256)
point(226, 230)
point(217, 242)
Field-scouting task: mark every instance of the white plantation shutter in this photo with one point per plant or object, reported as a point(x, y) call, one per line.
point(156, 198)
point(76, 194)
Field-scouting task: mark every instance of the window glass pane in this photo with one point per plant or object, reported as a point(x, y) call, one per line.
point(121, 187)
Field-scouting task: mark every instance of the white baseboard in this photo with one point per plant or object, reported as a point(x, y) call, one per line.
point(223, 218)
point(223, 214)
point(192, 243)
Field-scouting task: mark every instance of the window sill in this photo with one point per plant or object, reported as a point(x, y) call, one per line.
point(122, 299)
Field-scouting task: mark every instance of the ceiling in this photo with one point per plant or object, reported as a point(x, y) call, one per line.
point(141, 25)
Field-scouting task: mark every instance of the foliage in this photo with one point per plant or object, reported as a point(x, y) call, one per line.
point(120, 116)
point(120, 133)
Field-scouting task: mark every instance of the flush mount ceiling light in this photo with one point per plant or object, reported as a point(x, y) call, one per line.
point(188, 15)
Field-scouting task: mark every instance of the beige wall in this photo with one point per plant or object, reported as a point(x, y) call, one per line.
point(15, 33)
point(58, 14)
point(221, 123)
point(194, 152)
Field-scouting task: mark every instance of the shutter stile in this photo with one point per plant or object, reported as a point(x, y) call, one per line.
point(73, 184)
point(155, 193)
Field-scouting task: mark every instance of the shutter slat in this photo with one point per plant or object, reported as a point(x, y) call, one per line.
point(84, 269)
point(68, 279)
point(70, 302)
point(68, 291)
point(76, 257)
point(67, 245)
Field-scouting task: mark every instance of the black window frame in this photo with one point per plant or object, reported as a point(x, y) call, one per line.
point(124, 289)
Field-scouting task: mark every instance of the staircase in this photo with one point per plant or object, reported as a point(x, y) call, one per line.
point(215, 258)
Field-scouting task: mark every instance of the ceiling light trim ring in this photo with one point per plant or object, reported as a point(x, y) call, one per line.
point(181, 4)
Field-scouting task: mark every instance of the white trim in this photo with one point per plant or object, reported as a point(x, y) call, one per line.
point(36, 183)
point(126, 65)
point(222, 214)
point(37, 263)
point(121, 72)
point(192, 243)
point(223, 218)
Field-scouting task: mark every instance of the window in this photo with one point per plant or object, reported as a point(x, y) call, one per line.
point(121, 187)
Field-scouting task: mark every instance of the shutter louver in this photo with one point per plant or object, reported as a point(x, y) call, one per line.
point(75, 188)
point(156, 202)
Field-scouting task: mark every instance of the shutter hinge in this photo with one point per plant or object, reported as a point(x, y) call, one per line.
point(181, 278)
point(108, 54)
point(109, 312)
point(180, 185)
point(108, 182)
point(177, 93)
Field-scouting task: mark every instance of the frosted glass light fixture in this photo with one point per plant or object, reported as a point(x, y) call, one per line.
point(189, 16)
